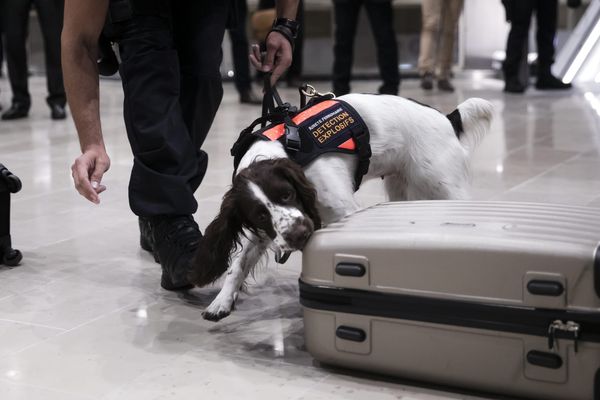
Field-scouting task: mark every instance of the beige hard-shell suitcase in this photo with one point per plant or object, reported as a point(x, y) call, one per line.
point(494, 296)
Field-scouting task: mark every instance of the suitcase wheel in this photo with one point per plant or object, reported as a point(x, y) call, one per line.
point(12, 258)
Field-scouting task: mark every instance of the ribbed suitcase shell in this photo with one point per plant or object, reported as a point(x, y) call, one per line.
point(466, 252)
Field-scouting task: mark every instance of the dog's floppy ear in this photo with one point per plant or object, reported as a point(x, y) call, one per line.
point(221, 238)
point(304, 189)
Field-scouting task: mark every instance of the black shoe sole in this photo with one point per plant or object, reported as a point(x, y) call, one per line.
point(553, 87)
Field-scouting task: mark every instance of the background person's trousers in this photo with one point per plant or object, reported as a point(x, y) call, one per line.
point(172, 86)
point(520, 15)
point(439, 22)
point(15, 22)
point(380, 16)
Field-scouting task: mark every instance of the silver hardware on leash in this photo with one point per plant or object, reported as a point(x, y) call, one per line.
point(310, 91)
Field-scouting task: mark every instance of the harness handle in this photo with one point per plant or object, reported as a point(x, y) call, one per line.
point(270, 98)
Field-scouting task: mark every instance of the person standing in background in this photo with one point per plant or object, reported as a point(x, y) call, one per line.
point(1, 47)
point(519, 13)
point(239, 52)
point(15, 21)
point(380, 16)
point(439, 23)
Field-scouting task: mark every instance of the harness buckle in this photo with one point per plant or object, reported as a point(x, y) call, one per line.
point(292, 138)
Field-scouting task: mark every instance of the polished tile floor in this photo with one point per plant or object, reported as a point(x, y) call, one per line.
point(84, 317)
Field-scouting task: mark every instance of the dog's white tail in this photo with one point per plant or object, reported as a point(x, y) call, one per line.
point(475, 119)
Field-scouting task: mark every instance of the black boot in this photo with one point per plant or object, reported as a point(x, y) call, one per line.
point(176, 239)
point(547, 81)
point(57, 111)
point(16, 111)
point(388, 89)
point(146, 239)
point(445, 85)
point(427, 81)
point(513, 85)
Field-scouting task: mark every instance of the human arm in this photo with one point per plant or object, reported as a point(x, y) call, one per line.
point(278, 55)
point(83, 22)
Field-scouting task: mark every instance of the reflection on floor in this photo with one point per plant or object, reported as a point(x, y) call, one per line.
point(84, 317)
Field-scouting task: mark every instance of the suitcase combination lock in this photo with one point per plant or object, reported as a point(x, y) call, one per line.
point(570, 329)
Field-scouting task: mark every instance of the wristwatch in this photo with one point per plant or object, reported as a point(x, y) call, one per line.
point(287, 27)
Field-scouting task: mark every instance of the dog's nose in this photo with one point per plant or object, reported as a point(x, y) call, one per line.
point(298, 236)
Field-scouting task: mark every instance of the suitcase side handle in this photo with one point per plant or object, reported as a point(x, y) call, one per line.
point(350, 269)
point(544, 359)
point(350, 333)
point(545, 288)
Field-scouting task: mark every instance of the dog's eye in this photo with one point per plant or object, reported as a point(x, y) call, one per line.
point(287, 196)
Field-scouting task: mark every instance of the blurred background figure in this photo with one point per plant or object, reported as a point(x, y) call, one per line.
point(15, 18)
point(439, 23)
point(293, 76)
point(380, 16)
point(519, 14)
point(1, 46)
point(240, 51)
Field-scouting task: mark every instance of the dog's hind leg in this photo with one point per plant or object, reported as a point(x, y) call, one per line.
point(395, 186)
point(242, 262)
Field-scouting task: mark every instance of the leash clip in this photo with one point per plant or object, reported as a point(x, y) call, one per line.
point(310, 91)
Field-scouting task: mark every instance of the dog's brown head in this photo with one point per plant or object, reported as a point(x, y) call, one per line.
point(271, 198)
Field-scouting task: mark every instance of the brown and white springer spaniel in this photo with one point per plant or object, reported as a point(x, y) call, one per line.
point(274, 204)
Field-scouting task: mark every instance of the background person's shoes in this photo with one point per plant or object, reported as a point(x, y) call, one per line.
point(57, 111)
point(249, 97)
point(176, 239)
point(550, 82)
point(512, 85)
point(445, 85)
point(16, 111)
point(427, 81)
point(388, 89)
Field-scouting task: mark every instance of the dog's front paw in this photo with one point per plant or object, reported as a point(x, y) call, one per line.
point(217, 310)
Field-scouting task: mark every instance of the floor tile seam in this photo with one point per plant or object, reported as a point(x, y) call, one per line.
point(14, 321)
point(529, 180)
point(29, 385)
point(69, 330)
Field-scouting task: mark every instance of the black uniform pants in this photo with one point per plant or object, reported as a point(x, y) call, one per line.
point(380, 16)
point(15, 18)
point(172, 85)
point(520, 13)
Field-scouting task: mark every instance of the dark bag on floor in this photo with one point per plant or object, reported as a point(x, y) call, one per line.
point(9, 183)
point(493, 296)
